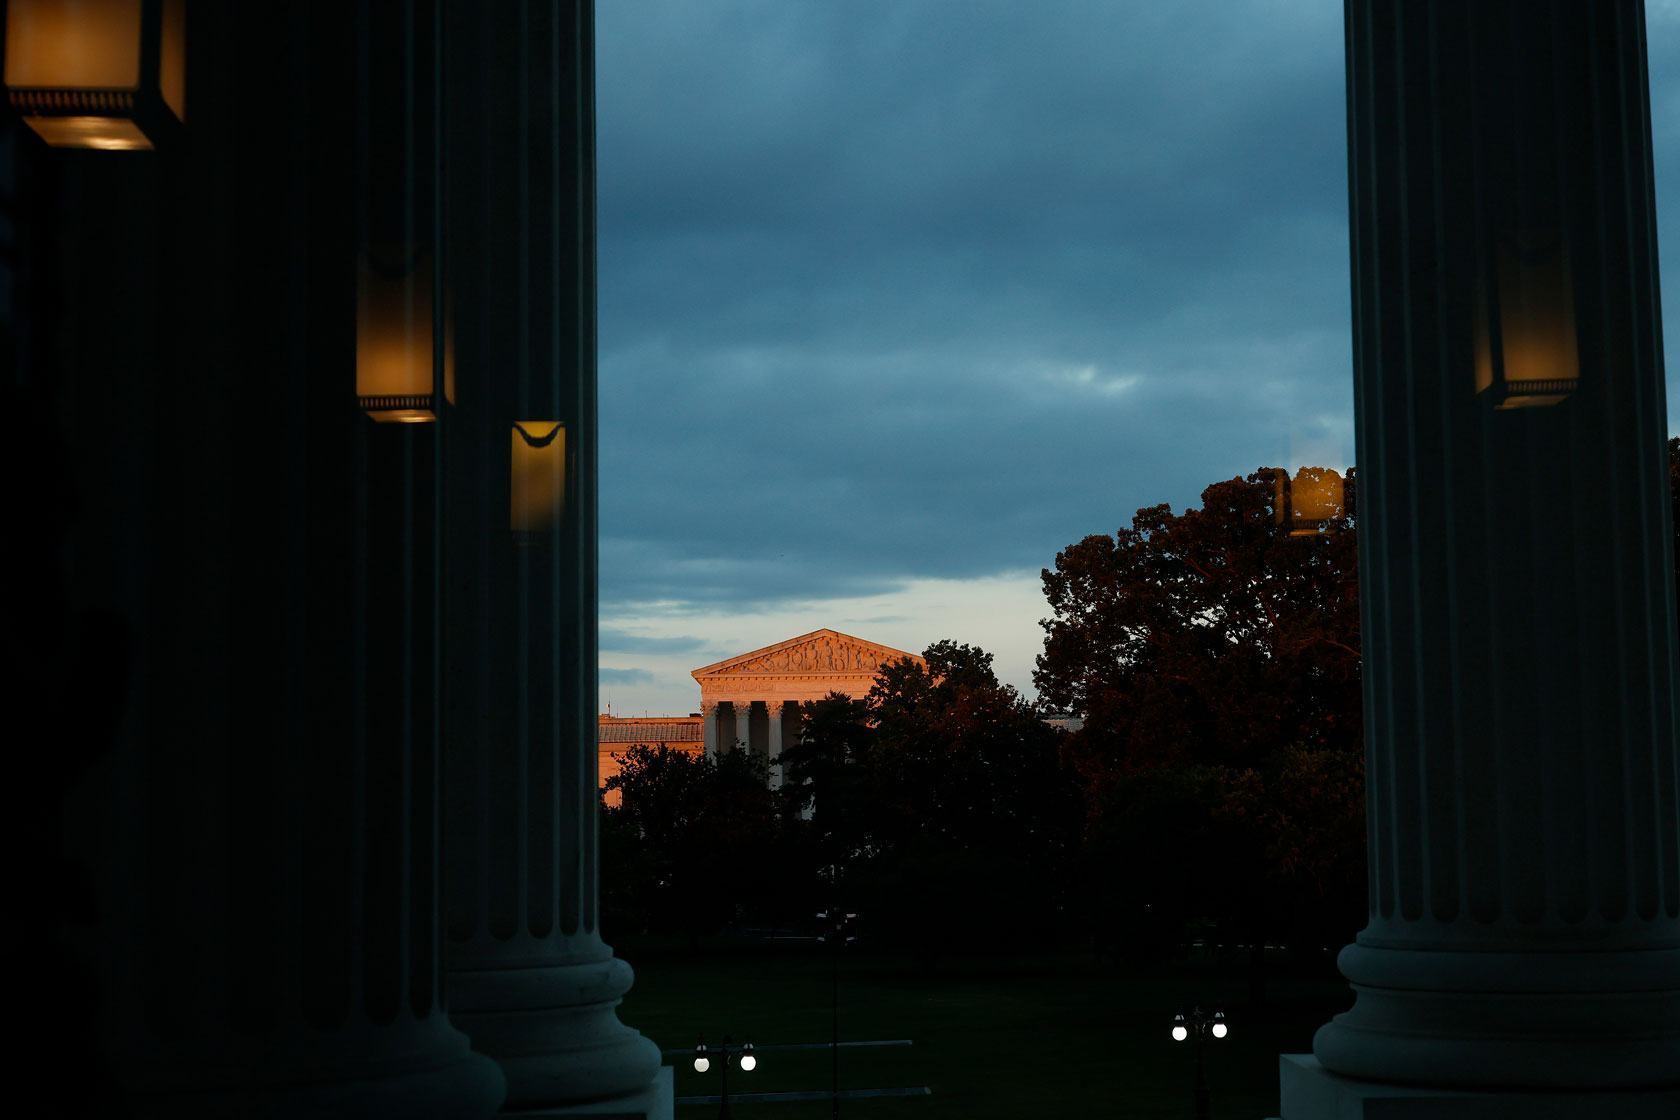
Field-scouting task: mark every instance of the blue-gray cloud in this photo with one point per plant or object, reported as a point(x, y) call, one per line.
point(900, 289)
point(625, 676)
point(615, 640)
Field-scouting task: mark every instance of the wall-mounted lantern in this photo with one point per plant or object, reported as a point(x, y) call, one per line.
point(1526, 353)
point(105, 74)
point(405, 361)
point(1309, 502)
point(398, 376)
point(537, 490)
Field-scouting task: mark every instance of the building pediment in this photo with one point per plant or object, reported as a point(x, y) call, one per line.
point(820, 654)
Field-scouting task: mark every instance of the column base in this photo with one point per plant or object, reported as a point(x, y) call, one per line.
point(1308, 1091)
point(655, 1102)
point(555, 1031)
point(1508, 1021)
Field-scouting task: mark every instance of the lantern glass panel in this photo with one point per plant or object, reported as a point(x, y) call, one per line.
point(1532, 358)
point(1309, 502)
point(94, 44)
point(537, 491)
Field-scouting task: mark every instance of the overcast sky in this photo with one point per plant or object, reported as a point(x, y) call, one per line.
point(899, 298)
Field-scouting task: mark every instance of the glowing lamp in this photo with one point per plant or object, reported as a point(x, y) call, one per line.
point(1180, 1031)
point(1526, 352)
point(749, 1060)
point(397, 374)
point(537, 491)
point(702, 1063)
point(1219, 1028)
point(103, 74)
point(1309, 502)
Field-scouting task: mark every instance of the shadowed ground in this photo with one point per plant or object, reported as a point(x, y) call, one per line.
point(991, 1037)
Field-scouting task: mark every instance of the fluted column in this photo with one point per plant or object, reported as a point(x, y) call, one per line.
point(532, 982)
point(248, 645)
point(709, 726)
point(773, 744)
point(743, 726)
point(1516, 576)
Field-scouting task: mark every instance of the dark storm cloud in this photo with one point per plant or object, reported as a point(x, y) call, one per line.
point(934, 289)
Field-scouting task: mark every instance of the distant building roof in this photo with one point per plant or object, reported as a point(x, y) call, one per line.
point(650, 729)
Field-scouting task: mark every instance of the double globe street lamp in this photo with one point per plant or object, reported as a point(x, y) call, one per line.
point(1201, 1025)
point(703, 1062)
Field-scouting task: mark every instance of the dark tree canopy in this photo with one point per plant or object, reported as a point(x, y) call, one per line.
point(1213, 636)
point(682, 823)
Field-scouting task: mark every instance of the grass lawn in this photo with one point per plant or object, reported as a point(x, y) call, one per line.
point(1055, 1036)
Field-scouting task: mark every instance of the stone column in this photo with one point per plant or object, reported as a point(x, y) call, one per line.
point(233, 649)
point(532, 981)
point(773, 745)
point(709, 726)
point(1516, 577)
point(743, 726)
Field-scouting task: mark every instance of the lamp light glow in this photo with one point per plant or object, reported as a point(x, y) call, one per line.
point(749, 1061)
point(537, 488)
point(1309, 502)
point(396, 374)
point(1219, 1030)
point(702, 1064)
point(98, 74)
point(1526, 350)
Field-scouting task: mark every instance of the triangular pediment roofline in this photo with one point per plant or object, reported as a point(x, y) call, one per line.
point(807, 654)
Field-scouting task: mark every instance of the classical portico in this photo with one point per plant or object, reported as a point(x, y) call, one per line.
point(748, 699)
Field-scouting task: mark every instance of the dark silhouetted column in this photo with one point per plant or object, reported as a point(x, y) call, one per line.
point(531, 979)
point(240, 655)
point(1516, 574)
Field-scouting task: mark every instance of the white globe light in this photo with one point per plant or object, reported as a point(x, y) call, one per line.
point(702, 1064)
point(748, 1061)
point(1219, 1030)
point(1180, 1034)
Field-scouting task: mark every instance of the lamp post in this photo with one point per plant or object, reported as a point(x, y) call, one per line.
point(1201, 1025)
point(703, 1062)
point(836, 922)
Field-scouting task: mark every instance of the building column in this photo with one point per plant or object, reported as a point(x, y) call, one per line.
point(743, 725)
point(531, 980)
point(709, 727)
point(773, 745)
point(1516, 576)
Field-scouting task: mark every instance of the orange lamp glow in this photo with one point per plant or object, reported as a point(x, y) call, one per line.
point(1310, 502)
point(537, 493)
point(396, 372)
point(1526, 353)
point(103, 74)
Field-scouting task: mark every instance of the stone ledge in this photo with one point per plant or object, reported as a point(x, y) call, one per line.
point(1308, 1091)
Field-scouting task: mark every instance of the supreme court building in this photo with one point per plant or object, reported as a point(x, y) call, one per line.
point(753, 699)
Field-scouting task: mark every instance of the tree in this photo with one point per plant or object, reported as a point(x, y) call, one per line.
point(973, 811)
point(1214, 656)
point(824, 780)
point(692, 842)
point(1213, 637)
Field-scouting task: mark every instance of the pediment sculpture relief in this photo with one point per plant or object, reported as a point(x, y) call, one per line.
point(825, 655)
